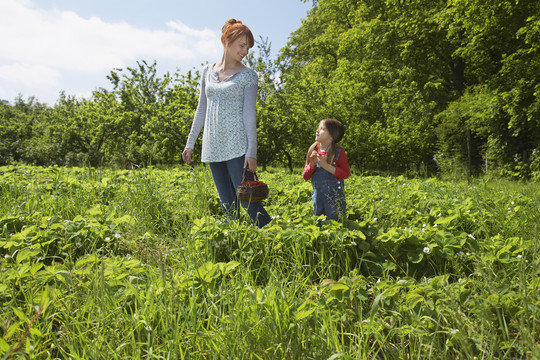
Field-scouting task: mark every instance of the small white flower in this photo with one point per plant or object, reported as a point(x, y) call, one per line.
point(118, 236)
point(423, 230)
point(423, 225)
point(427, 250)
point(21, 218)
point(460, 253)
point(375, 219)
point(471, 236)
point(467, 254)
point(454, 332)
point(107, 239)
point(519, 256)
point(48, 219)
point(226, 233)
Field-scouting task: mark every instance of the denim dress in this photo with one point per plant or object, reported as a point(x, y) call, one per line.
point(328, 193)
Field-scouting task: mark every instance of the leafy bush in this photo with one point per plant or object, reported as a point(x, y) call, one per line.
point(142, 263)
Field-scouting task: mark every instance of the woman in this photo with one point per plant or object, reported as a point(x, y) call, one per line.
point(226, 109)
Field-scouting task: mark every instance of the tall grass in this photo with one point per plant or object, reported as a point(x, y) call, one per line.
point(141, 264)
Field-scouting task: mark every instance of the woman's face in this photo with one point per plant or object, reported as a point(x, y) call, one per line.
point(239, 48)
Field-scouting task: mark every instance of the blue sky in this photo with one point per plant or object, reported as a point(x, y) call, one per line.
point(52, 45)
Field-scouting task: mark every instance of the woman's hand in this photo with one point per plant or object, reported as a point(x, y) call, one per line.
point(251, 164)
point(186, 155)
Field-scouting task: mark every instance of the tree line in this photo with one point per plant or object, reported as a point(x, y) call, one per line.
point(422, 86)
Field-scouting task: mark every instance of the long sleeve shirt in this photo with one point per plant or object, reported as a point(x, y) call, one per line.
point(226, 110)
point(342, 167)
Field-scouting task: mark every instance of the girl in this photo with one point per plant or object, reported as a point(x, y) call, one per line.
point(226, 110)
point(327, 166)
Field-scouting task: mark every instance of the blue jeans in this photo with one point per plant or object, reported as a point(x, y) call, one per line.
point(329, 201)
point(227, 176)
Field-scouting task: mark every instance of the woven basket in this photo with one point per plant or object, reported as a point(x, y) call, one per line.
point(251, 191)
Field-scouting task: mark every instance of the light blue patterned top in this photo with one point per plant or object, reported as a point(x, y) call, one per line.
point(226, 109)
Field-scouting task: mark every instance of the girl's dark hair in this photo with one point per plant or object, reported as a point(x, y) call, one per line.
point(336, 130)
point(233, 29)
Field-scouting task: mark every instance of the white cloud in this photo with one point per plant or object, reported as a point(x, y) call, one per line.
point(38, 45)
point(28, 75)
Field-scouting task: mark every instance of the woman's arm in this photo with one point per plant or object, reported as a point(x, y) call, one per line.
point(250, 120)
point(200, 114)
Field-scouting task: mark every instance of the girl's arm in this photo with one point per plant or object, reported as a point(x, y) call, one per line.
point(311, 163)
point(308, 171)
point(341, 170)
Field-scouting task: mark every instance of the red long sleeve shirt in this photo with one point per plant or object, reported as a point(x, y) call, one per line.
point(342, 167)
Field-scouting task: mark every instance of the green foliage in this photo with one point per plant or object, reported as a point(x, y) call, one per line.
point(402, 74)
point(142, 264)
point(423, 87)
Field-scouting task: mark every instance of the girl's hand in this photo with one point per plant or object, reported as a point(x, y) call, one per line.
point(251, 164)
point(186, 155)
point(321, 159)
point(323, 162)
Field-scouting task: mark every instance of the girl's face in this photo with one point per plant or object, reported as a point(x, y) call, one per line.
point(238, 49)
point(322, 135)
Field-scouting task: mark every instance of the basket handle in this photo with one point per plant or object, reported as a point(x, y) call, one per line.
point(244, 175)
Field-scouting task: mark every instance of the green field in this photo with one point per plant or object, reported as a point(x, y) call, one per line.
point(111, 264)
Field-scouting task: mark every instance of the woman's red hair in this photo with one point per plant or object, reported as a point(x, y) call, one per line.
point(233, 29)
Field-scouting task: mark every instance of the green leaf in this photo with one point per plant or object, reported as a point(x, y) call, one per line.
point(299, 315)
point(445, 220)
point(4, 346)
point(22, 316)
point(226, 268)
point(415, 256)
point(25, 254)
